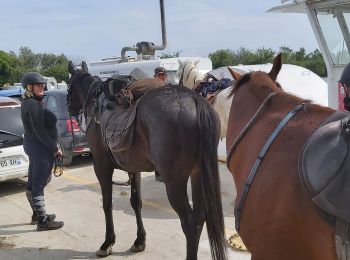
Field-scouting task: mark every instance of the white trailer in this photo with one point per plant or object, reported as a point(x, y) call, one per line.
point(294, 79)
point(106, 68)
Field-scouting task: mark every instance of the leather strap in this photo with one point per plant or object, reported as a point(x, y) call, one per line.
point(253, 171)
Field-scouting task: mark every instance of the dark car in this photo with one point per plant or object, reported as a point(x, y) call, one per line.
point(71, 137)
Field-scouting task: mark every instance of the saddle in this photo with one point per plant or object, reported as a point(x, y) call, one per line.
point(324, 166)
point(117, 118)
point(115, 84)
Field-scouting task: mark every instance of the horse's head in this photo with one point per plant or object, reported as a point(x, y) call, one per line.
point(75, 97)
point(188, 73)
point(258, 81)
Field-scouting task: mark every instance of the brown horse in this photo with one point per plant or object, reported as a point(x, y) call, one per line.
point(277, 220)
point(176, 133)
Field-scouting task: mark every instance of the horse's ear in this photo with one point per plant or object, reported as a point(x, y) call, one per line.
point(236, 76)
point(84, 67)
point(196, 62)
point(71, 68)
point(181, 63)
point(277, 65)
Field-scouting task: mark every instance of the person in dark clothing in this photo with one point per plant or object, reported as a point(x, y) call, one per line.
point(345, 83)
point(40, 144)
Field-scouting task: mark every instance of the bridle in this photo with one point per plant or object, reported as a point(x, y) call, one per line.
point(262, 153)
point(181, 81)
point(248, 126)
point(94, 90)
point(182, 76)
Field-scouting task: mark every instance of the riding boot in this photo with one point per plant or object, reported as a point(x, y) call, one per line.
point(35, 217)
point(29, 198)
point(44, 223)
point(47, 224)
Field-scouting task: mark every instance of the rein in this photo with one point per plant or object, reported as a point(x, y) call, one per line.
point(189, 73)
point(262, 153)
point(247, 127)
point(182, 76)
point(88, 94)
point(58, 166)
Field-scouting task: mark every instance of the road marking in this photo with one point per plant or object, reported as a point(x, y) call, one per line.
point(159, 206)
point(79, 180)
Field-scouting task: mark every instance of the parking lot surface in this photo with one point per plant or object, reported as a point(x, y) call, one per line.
point(76, 199)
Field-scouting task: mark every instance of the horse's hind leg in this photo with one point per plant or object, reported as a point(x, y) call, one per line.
point(136, 203)
point(198, 206)
point(104, 176)
point(177, 194)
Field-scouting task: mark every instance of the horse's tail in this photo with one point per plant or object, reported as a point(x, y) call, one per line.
point(210, 179)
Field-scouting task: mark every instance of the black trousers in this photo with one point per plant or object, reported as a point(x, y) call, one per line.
point(40, 166)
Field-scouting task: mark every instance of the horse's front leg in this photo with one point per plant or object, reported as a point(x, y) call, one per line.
point(136, 203)
point(104, 177)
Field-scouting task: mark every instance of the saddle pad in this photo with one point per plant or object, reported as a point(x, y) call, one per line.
point(118, 127)
point(324, 168)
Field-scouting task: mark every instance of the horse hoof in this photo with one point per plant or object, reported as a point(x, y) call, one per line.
point(104, 253)
point(139, 248)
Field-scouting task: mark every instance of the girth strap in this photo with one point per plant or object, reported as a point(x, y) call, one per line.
point(253, 171)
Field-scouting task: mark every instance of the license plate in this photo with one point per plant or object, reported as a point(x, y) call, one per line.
point(10, 162)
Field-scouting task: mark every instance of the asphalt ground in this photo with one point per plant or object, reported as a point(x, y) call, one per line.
point(76, 199)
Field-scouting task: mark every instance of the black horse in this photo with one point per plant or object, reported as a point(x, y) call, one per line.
point(176, 133)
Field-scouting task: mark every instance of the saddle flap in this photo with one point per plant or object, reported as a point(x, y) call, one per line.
point(118, 127)
point(324, 166)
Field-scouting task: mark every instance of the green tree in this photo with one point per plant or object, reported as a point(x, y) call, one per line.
point(221, 58)
point(28, 60)
point(312, 61)
point(60, 72)
point(8, 64)
point(316, 63)
point(48, 59)
point(288, 55)
point(264, 55)
point(245, 56)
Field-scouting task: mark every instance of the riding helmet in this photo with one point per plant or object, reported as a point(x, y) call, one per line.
point(31, 78)
point(345, 76)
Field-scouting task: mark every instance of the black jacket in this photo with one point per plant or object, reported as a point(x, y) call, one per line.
point(39, 123)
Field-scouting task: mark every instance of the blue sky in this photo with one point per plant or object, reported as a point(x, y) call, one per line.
point(95, 29)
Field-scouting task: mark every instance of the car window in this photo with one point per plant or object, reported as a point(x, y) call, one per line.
point(52, 103)
point(11, 129)
point(11, 120)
